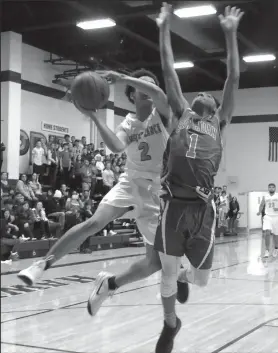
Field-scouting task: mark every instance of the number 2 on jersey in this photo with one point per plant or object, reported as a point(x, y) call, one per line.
point(144, 147)
point(191, 153)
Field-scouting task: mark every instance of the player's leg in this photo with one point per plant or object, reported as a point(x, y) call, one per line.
point(106, 283)
point(107, 211)
point(170, 243)
point(147, 219)
point(267, 228)
point(201, 246)
point(275, 235)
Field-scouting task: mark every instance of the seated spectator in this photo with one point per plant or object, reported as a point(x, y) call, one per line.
point(232, 214)
point(9, 205)
point(122, 169)
point(9, 238)
point(38, 159)
point(36, 186)
point(24, 189)
point(25, 220)
point(41, 223)
point(108, 178)
point(18, 200)
point(74, 202)
point(87, 211)
point(5, 187)
point(94, 176)
point(119, 162)
point(65, 191)
point(54, 208)
point(85, 197)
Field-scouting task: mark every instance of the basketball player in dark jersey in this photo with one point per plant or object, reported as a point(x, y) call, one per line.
point(191, 160)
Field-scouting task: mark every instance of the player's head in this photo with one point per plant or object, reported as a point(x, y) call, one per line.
point(135, 96)
point(271, 188)
point(205, 103)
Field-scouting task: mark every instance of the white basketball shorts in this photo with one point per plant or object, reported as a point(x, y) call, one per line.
point(142, 195)
point(271, 223)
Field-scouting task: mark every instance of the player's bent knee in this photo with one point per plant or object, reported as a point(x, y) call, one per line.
point(201, 278)
point(168, 286)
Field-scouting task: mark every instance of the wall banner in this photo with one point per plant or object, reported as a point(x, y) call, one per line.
point(57, 129)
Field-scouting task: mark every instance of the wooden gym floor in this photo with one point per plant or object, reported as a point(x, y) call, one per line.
point(236, 312)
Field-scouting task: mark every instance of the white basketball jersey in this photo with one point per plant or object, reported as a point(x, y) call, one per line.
point(271, 202)
point(147, 143)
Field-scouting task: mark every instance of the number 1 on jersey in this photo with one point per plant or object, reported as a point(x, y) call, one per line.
point(191, 153)
point(144, 147)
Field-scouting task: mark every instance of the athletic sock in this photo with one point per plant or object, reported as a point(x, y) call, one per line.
point(171, 319)
point(112, 283)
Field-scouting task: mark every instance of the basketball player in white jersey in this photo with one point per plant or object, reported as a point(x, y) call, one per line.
point(270, 220)
point(143, 136)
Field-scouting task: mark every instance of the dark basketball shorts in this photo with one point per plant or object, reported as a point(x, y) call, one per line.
point(187, 228)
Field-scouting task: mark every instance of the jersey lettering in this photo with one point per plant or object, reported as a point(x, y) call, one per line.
point(191, 153)
point(144, 147)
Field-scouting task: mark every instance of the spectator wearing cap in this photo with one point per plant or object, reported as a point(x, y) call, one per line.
point(54, 208)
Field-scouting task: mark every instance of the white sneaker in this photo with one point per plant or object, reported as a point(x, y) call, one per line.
point(22, 238)
point(31, 274)
point(275, 252)
point(100, 293)
point(111, 232)
point(7, 262)
point(266, 254)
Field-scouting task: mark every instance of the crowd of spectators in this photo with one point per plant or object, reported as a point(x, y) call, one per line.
point(227, 210)
point(69, 179)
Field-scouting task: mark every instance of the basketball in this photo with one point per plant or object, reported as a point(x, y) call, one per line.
point(90, 90)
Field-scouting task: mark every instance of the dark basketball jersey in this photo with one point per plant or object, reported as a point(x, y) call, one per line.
point(192, 156)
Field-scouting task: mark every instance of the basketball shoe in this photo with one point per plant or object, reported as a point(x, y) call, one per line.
point(165, 342)
point(34, 272)
point(100, 292)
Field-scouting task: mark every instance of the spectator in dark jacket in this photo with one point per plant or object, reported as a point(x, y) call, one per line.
point(232, 214)
point(25, 220)
point(54, 208)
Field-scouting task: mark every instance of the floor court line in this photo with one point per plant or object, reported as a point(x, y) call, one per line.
point(109, 258)
point(243, 335)
point(40, 347)
point(85, 301)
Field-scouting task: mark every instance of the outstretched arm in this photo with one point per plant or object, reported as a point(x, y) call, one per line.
point(173, 89)
point(157, 95)
point(229, 23)
point(116, 142)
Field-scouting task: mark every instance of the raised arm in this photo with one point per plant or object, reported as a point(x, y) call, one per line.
point(175, 97)
point(229, 23)
point(116, 142)
point(155, 92)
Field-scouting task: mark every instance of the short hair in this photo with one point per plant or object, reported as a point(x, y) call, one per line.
point(66, 136)
point(137, 74)
point(271, 184)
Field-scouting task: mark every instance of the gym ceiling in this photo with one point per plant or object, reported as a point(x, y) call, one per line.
point(133, 43)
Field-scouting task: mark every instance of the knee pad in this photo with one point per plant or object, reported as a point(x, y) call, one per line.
point(168, 286)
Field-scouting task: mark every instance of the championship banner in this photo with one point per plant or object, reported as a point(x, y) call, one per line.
point(55, 128)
